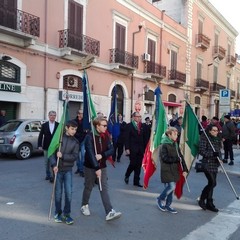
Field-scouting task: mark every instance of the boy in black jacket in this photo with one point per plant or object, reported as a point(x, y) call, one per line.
point(67, 155)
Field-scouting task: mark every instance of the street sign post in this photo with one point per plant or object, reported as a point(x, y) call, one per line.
point(224, 101)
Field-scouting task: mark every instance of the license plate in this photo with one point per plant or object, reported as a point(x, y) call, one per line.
point(1, 140)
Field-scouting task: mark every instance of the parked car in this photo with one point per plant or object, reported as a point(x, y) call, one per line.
point(20, 137)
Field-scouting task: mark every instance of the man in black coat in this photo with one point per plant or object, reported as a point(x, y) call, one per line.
point(134, 147)
point(44, 139)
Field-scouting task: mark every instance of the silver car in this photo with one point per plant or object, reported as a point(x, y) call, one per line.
point(20, 137)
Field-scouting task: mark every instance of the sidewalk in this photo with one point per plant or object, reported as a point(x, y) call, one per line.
point(234, 169)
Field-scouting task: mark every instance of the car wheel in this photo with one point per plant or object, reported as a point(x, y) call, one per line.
point(24, 151)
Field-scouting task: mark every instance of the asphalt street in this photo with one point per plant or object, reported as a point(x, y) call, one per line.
point(25, 201)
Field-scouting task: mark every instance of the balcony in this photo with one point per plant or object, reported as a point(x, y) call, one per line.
point(123, 62)
point(18, 28)
point(219, 52)
point(154, 71)
point(231, 61)
point(176, 78)
point(202, 41)
point(201, 85)
point(215, 87)
point(75, 46)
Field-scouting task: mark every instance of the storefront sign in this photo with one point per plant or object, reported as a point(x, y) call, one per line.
point(9, 87)
point(72, 96)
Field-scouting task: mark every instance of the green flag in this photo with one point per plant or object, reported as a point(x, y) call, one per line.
point(189, 140)
point(57, 135)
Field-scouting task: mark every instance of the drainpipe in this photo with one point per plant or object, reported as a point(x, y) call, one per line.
point(45, 62)
point(132, 77)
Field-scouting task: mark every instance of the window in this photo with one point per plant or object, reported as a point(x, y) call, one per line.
point(197, 100)
point(215, 74)
point(173, 60)
point(152, 50)
point(199, 70)
point(120, 98)
point(172, 98)
point(9, 72)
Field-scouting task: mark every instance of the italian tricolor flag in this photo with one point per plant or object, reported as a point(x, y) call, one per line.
point(189, 143)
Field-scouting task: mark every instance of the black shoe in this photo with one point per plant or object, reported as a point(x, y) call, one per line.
point(81, 174)
point(231, 163)
point(202, 204)
point(77, 172)
point(211, 208)
point(126, 179)
point(47, 178)
point(225, 161)
point(51, 180)
point(138, 185)
point(118, 160)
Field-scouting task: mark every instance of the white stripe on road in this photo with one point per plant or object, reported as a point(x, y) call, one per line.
point(222, 226)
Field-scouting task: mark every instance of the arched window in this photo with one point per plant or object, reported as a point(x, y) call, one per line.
point(120, 98)
point(197, 100)
point(172, 98)
point(9, 72)
point(149, 96)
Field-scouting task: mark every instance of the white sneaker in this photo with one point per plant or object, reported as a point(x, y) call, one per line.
point(85, 210)
point(113, 215)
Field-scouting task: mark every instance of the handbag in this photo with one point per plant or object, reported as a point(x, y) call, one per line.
point(200, 167)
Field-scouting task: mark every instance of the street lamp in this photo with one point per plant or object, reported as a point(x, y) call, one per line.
point(146, 89)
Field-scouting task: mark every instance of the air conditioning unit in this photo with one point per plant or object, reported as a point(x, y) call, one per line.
point(146, 57)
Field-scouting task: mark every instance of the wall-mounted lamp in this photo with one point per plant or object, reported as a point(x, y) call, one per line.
point(6, 58)
point(215, 101)
point(58, 75)
point(146, 89)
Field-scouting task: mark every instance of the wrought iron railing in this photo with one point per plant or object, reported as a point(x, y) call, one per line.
point(154, 68)
point(123, 57)
point(215, 87)
point(20, 20)
point(79, 42)
point(219, 51)
point(231, 60)
point(203, 40)
point(200, 83)
point(176, 75)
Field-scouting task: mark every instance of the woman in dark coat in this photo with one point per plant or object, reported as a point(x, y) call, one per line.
point(211, 165)
point(170, 157)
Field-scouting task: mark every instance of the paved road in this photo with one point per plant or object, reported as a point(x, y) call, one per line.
point(25, 200)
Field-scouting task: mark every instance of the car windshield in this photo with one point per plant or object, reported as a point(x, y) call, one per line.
point(10, 126)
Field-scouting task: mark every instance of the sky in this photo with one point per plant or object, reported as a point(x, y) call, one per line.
point(230, 11)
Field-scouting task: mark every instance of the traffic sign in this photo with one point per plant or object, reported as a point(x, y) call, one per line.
point(224, 97)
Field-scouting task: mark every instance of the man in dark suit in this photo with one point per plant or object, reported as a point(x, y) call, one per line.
point(44, 139)
point(134, 147)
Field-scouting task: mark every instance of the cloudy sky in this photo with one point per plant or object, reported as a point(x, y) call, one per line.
point(231, 12)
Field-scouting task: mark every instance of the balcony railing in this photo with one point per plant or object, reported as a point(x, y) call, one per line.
point(20, 20)
point(81, 42)
point(177, 76)
point(202, 41)
point(203, 84)
point(219, 52)
point(123, 57)
point(231, 61)
point(157, 69)
point(215, 87)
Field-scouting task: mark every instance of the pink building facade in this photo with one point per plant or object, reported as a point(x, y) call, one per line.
point(45, 47)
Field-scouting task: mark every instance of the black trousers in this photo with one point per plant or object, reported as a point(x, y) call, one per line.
point(118, 150)
point(135, 166)
point(207, 192)
point(228, 148)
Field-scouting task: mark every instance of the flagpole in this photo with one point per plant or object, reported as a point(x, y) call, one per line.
point(94, 140)
point(220, 162)
point(55, 174)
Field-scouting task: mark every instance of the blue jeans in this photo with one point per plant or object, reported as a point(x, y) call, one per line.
point(168, 193)
point(80, 161)
point(64, 179)
point(49, 171)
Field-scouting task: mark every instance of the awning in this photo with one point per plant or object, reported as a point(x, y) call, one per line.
point(171, 104)
point(12, 97)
